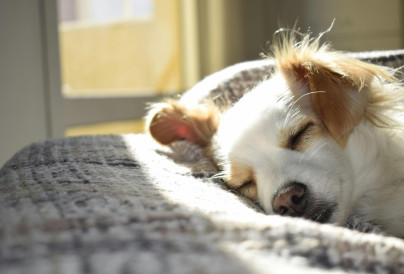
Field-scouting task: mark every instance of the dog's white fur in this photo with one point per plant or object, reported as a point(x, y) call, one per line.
point(322, 119)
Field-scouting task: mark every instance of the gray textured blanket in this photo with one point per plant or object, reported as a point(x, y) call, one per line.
point(124, 204)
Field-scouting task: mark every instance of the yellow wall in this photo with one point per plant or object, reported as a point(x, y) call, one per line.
point(123, 56)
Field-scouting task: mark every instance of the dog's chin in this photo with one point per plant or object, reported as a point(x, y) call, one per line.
point(321, 211)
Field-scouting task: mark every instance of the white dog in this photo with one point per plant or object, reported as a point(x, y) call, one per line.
point(319, 139)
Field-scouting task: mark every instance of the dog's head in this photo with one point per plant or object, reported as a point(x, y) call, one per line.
point(284, 142)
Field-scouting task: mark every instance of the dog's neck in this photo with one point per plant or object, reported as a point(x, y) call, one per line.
point(377, 158)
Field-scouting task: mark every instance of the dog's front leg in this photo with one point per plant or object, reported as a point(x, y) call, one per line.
point(359, 223)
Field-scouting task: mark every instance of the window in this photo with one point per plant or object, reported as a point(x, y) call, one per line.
point(116, 55)
point(112, 47)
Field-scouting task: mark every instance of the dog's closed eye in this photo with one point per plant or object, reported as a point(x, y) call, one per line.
point(249, 189)
point(299, 136)
point(242, 179)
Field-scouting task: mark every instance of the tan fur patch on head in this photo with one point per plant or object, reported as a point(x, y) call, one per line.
point(242, 179)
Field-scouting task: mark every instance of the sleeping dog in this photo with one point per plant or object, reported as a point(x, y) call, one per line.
point(320, 138)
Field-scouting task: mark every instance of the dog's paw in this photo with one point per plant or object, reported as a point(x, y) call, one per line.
point(361, 224)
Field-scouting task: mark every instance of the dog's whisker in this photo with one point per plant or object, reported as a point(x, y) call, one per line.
point(316, 150)
point(312, 154)
point(302, 157)
point(306, 94)
point(219, 175)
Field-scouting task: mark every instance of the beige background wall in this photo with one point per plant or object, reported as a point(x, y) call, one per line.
point(238, 30)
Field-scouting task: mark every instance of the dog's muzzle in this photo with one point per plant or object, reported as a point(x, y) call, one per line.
point(295, 200)
point(290, 200)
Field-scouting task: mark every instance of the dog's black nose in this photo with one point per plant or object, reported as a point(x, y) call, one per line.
point(290, 200)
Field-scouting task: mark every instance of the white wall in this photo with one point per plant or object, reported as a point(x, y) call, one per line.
point(30, 101)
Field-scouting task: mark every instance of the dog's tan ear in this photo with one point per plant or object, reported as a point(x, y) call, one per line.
point(336, 84)
point(172, 121)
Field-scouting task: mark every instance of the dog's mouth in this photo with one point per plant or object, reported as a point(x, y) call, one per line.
point(320, 212)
